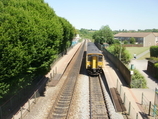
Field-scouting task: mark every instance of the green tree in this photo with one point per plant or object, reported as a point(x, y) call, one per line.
point(132, 40)
point(125, 42)
point(105, 34)
point(31, 36)
point(120, 52)
point(68, 34)
point(85, 33)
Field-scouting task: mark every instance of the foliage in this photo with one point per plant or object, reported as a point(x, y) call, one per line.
point(120, 52)
point(156, 69)
point(132, 40)
point(104, 35)
point(85, 33)
point(154, 51)
point(31, 35)
point(154, 58)
point(116, 41)
point(134, 31)
point(68, 34)
point(138, 81)
point(156, 65)
point(125, 42)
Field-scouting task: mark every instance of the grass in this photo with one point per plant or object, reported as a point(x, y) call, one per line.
point(138, 50)
point(146, 56)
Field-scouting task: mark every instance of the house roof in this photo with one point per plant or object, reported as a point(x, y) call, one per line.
point(132, 34)
point(155, 34)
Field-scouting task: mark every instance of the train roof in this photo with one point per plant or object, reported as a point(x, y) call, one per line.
point(91, 48)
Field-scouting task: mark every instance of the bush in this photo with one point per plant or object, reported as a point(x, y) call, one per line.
point(120, 52)
point(132, 40)
point(138, 80)
point(156, 69)
point(125, 42)
point(153, 58)
point(154, 51)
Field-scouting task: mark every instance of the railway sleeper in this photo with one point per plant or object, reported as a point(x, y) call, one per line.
point(66, 94)
point(60, 110)
point(65, 98)
point(100, 117)
point(58, 116)
point(63, 104)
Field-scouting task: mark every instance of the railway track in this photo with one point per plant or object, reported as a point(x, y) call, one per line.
point(98, 108)
point(60, 109)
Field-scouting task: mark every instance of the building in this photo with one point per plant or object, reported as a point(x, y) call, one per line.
point(146, 39)
point(156, 38)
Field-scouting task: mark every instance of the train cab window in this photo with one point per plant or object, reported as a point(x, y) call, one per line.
point(89, 58)
point(100, 58)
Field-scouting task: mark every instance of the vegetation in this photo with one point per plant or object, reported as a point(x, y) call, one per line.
point(125, 42)
point(137, 50)
point(31, 35)
point(85, 33)
point(138, 80)
point(130, 31)
point(104, 35)
point(120, 52)
point(154, 51)
point(156, 69)
point(154, 58)
point(132, 40)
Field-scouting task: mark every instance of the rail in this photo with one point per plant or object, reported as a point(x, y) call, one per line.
point(60, 108)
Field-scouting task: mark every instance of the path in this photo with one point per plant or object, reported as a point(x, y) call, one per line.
point(141, 65)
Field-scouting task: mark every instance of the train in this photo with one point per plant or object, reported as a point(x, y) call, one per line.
point(94, 59)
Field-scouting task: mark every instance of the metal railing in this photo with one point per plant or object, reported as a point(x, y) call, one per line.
point(148, 109)
point(129, 105)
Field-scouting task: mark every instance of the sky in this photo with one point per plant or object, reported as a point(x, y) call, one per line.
point(117, 14)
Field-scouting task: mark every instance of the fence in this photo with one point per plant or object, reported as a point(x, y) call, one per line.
point(27, 106)
point(131, 111)
point(122, 68)
point(148, 109)
point(17, 102)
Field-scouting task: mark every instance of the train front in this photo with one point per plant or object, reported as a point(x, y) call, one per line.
point(94, 63)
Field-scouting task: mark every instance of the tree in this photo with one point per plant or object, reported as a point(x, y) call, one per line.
point(125, 42)
point(85, 33)
point(31, 35)
point(105, 34)
point(132, 40)
point(120, 52)
point(68, 34)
